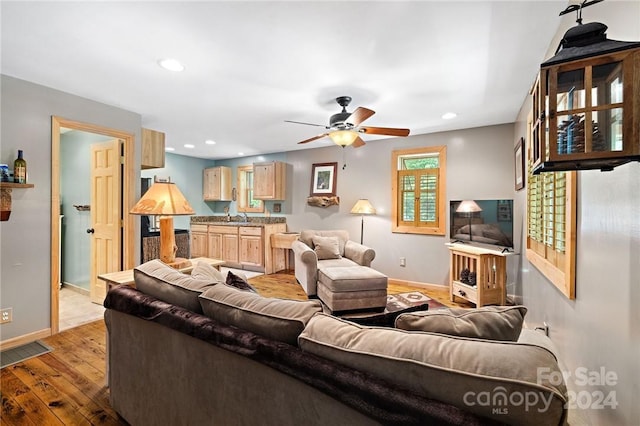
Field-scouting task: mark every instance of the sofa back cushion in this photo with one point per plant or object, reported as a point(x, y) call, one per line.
point(170, 285)
point(498, 380)
point(205, 271)
point(277, 319)
point(487, 322)
point(306, 236)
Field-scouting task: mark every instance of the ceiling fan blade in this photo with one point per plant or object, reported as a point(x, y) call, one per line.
point(384, 131)
point(358, 142)
point(314, 138)
point(306, 124)
point(359, 115)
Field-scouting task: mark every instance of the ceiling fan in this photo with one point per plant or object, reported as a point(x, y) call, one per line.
point(344, 127)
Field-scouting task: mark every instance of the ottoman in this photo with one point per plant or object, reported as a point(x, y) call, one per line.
point(348, 288)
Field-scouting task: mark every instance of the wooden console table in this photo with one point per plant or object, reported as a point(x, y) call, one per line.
point(282, 241)
point(126, 277)
point(490, 268)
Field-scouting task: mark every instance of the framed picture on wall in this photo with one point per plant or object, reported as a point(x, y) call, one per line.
point(519, 164)
point(324, 179)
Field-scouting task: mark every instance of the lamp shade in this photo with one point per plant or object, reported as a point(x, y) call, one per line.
point(343, 137)
point(468, 206)
point(363, 206)
point(164, 199)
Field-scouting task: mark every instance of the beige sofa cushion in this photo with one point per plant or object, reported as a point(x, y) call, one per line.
point(170, 285)
point(487, 322)
point(306, 236)
point(277, 319)
point(204, 271)
point(326, 247)
point(498, 380)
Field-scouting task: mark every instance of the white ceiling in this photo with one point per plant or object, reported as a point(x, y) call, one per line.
point(252, 65)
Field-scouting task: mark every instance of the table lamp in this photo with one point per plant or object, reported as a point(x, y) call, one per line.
point(164, 199)
point(469, 207)
point(362, 207)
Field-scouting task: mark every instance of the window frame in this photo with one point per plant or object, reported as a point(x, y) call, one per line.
point(399, 226)
point(243, 192)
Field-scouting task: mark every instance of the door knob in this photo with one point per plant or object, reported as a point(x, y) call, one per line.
point(90, 231)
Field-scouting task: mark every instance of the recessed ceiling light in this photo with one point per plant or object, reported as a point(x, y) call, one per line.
point(449, 115)
point(241, 153)
point(210, 142)
point(171, 64)
point(169, 148)
point(188, 145)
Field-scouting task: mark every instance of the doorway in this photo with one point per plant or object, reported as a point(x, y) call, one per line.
point(127, 195)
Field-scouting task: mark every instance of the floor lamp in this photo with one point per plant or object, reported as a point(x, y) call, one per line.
point(362, 207)
point(469, 207)
point(164, 199)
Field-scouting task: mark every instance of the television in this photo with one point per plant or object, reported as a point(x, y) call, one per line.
point(492, 225)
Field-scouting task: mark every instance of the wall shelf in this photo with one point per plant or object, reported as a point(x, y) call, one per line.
point(5, 197)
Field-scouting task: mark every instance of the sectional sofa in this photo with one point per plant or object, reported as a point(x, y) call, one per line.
point(195, 350)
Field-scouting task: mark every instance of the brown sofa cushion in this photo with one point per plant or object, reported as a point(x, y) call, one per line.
point(277, 319)
point(460, 371)
point(170, 285)
point(487, 322)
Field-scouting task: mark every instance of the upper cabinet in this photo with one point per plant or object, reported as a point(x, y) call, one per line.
point(269, 180)
point(152, 149)
point(216, 185)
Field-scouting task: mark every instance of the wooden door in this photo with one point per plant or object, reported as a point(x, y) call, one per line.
point(230, 247)
point(106, 223)
point(209, 184)
point(198, 244)
point(215, 246)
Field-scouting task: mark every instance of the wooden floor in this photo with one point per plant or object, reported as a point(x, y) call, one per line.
point(67, 385)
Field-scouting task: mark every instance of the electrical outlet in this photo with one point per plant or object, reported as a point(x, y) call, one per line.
point(6, 315)
point(403, 261)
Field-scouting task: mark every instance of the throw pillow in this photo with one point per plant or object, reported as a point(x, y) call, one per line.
point(205, 271)
point(239, 282)
point(488, 322)
point(277, 319)
point(326, 247)
point(170, 285)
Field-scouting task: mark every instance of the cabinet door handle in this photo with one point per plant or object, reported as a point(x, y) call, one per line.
point(462, 293)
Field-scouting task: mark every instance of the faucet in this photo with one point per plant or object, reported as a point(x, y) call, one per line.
point(245, 217)
point(226, 210)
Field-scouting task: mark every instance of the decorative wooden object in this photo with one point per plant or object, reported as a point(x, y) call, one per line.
point(152, 149)
point(586, 110)
point(490, 269)
point(5, 197)
point(323, 201)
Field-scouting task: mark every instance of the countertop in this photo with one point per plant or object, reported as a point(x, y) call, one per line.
point(236, 220)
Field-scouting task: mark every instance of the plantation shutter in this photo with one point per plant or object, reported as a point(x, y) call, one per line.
point(418, 197)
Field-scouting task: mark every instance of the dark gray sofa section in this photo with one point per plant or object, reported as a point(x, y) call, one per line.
point(168, 365)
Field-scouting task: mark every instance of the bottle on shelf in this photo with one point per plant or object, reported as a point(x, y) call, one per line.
point(20, 169)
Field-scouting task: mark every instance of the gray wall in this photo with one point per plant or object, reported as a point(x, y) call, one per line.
point(25, 239)
point(601, 327)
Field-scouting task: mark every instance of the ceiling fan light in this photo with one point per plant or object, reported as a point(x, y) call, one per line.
point(343, 137)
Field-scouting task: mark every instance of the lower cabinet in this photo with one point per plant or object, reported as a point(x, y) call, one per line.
point(251, 246)
point(199, 241)
point(223, 243)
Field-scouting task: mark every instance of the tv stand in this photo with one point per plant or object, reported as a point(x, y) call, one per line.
point(490, 267)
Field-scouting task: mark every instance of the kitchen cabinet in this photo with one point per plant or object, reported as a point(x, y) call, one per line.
point(152, 149)
point(251, 246)
point(216, 184)
point(223, 243)
point(199, 243)
point(269, 180)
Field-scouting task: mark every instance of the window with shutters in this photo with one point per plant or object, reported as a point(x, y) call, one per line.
point(418, 190)
point(551, 226)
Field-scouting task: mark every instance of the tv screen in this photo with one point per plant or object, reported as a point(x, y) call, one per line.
point(492, 225)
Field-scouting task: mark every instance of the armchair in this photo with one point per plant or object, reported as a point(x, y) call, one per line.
point(307, 262)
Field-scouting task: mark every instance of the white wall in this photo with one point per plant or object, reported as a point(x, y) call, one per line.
point(601, 327)
point(25, 271)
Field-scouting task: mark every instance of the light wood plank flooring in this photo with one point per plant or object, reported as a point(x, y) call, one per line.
point(68, 385)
